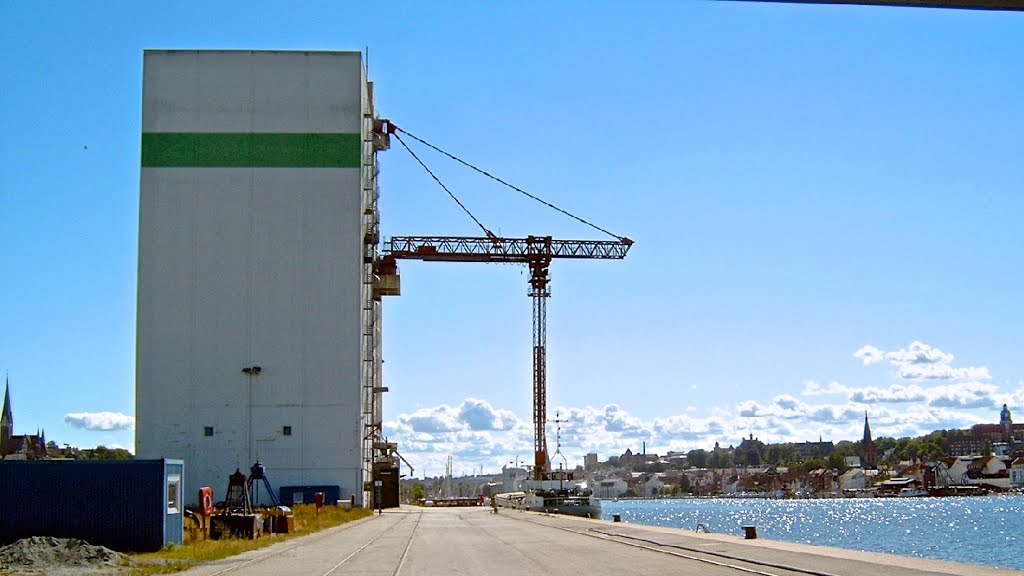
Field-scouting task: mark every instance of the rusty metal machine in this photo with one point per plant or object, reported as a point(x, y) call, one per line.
point(237, 518)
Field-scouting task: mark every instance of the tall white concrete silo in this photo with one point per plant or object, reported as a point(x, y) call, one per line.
point(257, 327)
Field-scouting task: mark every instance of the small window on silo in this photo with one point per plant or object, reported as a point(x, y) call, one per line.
point(174, 494)
point(287, 431)
point(207, 430)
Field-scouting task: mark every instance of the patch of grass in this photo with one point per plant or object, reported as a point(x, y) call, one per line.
point(199, 549)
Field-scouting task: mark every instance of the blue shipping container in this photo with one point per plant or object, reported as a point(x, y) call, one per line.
point(126, 505)
point(292, 495)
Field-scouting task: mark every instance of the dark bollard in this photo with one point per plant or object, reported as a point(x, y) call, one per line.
point(750, 532)
point(616, 518)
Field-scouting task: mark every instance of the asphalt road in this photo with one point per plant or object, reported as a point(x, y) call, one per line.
point(449, 541)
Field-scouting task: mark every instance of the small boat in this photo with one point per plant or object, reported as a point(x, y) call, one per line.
point(912, 492)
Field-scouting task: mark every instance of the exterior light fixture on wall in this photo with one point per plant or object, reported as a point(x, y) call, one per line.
point(250, 371)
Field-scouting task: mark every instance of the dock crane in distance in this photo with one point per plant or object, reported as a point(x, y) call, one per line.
point(536, 252)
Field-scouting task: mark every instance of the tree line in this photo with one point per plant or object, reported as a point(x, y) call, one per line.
point(890, 450)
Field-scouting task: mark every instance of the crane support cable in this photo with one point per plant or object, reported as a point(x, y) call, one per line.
point(495, 178)
point(438, 180)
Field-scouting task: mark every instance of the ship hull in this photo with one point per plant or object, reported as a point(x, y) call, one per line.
point(571, 504)
point(582, 506)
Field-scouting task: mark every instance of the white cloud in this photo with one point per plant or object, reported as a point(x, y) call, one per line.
point(476, 434)
point(812, 388)
point(942, 372)
point(1016, 397)
point(749, 409)
point(965, 395)
point(921, 361)
point(870, 355)
point(432, 420)
point(894, 393)
point(787, 403)
point(785, 407)
point(919, 353)
point(102, 421)
point(471, 414)
point(970, 395)
point(686, 427)
point(834, 414)
point(479, 415)
point(618, 420)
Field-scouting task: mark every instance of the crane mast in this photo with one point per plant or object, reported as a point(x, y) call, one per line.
point(537, 252)
point(539, 293)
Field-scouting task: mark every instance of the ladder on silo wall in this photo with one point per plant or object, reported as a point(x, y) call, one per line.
point(371, 388)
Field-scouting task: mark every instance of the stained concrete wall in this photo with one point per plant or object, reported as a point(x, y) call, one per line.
point(250, 239)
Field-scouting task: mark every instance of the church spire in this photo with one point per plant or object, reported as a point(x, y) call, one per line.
point(6, 420)
point(868, 451)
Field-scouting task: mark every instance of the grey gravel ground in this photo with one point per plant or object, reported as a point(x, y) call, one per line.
point(59, 556)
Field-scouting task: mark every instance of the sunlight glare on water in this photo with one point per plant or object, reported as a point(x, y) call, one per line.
point(980, 530)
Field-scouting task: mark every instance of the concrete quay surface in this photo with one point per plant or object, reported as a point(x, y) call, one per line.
point(448, 541)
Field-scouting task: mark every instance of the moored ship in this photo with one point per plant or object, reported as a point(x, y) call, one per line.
point(565, 501)
point(553, 497)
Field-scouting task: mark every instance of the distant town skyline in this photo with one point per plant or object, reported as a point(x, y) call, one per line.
point(825, 202)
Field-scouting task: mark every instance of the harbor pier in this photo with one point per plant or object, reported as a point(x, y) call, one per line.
point(476, 541)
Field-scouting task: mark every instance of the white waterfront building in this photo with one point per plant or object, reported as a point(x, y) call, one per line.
point(258, 332)
point(1017, 473)
point(610, 488)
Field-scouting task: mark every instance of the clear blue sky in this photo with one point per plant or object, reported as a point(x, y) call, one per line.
point(826, 203)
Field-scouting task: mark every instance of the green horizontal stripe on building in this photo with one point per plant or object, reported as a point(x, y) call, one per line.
point(250, 150)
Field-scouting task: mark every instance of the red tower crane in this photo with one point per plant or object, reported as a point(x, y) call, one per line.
point(535, 251)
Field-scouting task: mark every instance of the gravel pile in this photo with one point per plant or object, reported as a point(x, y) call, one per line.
point(49, 554)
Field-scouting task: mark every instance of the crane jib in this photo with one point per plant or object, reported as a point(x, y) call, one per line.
point(483, 249)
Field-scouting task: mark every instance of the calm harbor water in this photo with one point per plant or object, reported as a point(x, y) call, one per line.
point(980, 530)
